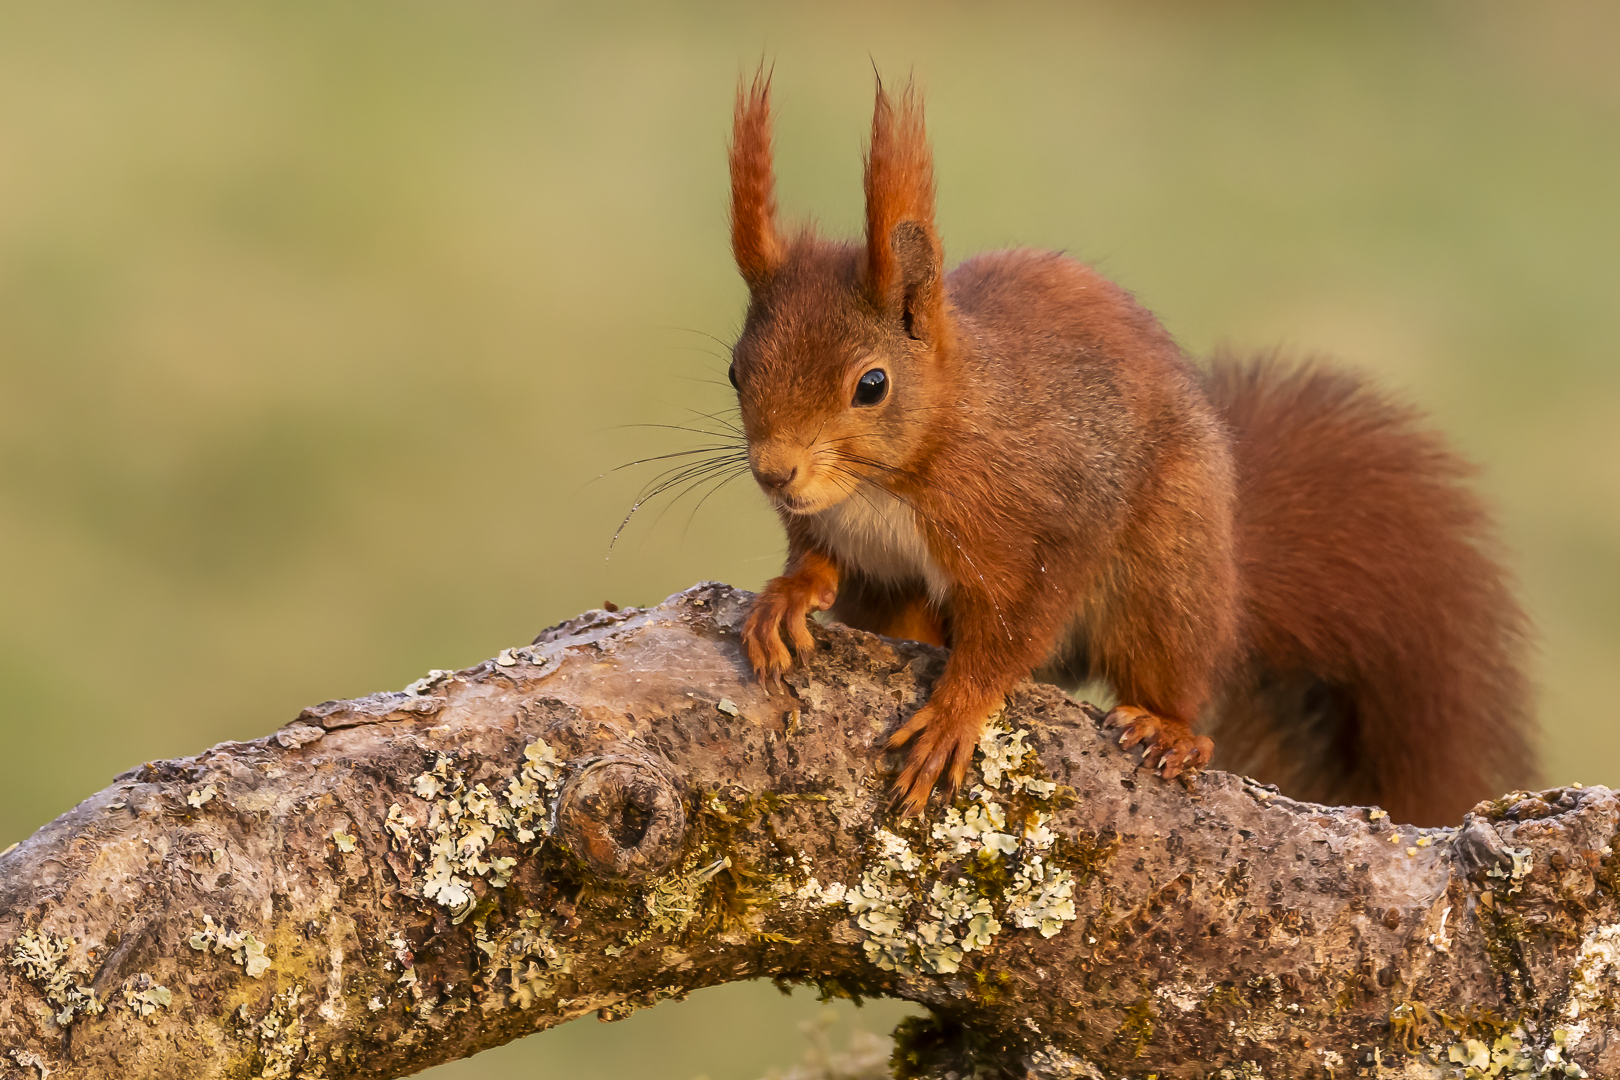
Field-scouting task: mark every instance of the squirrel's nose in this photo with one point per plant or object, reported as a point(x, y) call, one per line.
point(776, 481)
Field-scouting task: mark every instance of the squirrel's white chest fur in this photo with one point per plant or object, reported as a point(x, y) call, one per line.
point(878, 532)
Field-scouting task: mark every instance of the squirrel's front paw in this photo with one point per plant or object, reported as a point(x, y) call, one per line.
point(1170, 744)
point(942, 740)
point(784, 604)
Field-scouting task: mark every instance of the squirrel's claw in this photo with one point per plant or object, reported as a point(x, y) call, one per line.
point(784, 604)
point(944, 745)
point(762, 640)
point(1169, 746)
point(905, 731)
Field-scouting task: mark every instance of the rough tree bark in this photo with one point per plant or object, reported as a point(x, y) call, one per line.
point(619, 814)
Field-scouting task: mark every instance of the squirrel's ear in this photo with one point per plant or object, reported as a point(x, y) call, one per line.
point(904, 261)
point(754, 240)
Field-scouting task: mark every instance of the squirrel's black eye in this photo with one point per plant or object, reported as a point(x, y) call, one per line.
point(731, 373)
point(872, 388)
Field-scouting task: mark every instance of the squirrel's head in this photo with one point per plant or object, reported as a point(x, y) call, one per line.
point(839, 362)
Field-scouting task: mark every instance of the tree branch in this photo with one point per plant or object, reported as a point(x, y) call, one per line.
point(620, 814)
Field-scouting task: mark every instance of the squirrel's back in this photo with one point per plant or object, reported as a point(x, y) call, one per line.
point(1382, 643)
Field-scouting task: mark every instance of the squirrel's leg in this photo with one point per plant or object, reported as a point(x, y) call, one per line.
point(1169, 636)
point(987, 660)
point(809, 583)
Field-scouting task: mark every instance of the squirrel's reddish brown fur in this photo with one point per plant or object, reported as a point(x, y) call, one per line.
point(1016, 460)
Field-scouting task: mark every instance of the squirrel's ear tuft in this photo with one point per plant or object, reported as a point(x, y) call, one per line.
point(904, 261)
point(754, 240)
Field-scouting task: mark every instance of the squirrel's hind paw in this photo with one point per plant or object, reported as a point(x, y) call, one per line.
point(1169, 746)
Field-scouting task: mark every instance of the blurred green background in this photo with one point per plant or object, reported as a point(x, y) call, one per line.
point(318, 322)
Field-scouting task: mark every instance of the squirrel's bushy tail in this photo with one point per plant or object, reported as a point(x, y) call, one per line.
point(1384, 647)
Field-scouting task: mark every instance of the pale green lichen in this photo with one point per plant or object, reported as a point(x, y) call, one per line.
point(27, 1058)
point(464, 821)
point(1001, 752)
point(428, 682)
point(1052, 1061)
point(403, 961)
point(280, 1035)
point(1592, 987)
point(537, 655)
point(143, 996)
point(501, 870)
point(242, 947)
point(42, 957)
point(1041, 897)
point(814, 891)
point(343, 840)
point(1476, 1047)
point(924, 911)
point(1523, 863)
point(530, 793)
point(1508, 1056)
point(523, 964)
point(398, 826)
point(410, 982)
point(201, 796)
point(964, 832)
point(674, 900)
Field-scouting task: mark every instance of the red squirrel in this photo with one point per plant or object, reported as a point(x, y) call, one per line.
point(1015, 460)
